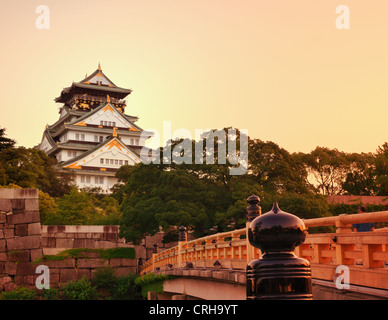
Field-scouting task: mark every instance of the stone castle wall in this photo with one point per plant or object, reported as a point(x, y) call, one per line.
point(23, 240)
point(20, 236)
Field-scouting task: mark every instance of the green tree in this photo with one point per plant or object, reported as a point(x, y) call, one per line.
point(48, 209)
point(76, 207)
point(276, 169)
point(326, 168)
point(32, 168)
point(360, 175)
point(381, 165)
point(5, 142)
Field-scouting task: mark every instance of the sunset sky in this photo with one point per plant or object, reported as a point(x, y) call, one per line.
point(279, 68)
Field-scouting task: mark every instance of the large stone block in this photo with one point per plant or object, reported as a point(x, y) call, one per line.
point(34, 228)
point(84, 243)
point(125, 262)
point(52, 251)
point(2, 245)
point(26, 268)
point(28, 242)
point(27, 217)
point(3, 218)
point(32, 204)
point(18, 204)
point(115, 262)
point(64, 243)
point(140, 252)
point(9, 233)
point(4, 281)
point(30, 279)
point(26, 194)
point(48, 242)
point(92, 263)
point(19, 256)
point(50, 230)
point(66, 263)
point(21, 230)
point(73, 274)
point(3, 257)
point(111, 236)
point(6, 193)
point(105, 244)
point(36, 254)
point(5, 205)
point(10, 268)
point(111, 229)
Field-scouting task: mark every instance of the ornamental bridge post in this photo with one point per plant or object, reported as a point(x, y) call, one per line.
point(278, 273)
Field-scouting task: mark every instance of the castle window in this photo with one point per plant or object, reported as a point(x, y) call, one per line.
point(126, 162)
point(120, 162)
point(82, 137)
point(101, 123)
point(82, 179)
point(101, 161)
point(76, 136)
point(95, 138)
point(98, 180)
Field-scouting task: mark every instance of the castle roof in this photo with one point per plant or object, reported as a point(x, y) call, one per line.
point(97, 81)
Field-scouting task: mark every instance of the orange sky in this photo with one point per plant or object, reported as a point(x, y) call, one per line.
point(279, 68)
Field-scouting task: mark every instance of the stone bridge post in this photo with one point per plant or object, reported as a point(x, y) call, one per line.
point(253, 211)
point(182, 239)
point(155, 251)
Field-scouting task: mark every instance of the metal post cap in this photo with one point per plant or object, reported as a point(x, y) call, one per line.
point(277, 231)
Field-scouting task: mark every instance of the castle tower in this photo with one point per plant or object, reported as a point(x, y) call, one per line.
point(93, 136)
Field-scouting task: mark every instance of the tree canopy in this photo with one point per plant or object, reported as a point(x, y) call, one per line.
point(201, 195)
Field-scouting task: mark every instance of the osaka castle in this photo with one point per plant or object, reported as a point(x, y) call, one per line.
point(93, 136)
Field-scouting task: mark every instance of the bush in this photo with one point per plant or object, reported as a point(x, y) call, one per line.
point(104, 278)
point(151, 282)
point(120, 288)
point(50, 294)
point(20, 293)
point(79, 290)
point(127, 289)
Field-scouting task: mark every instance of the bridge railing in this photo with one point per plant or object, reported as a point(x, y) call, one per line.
point(364, 253)
point(230, 248)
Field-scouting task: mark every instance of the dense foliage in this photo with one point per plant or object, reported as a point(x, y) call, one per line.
point(104, 285)
point(206, 198)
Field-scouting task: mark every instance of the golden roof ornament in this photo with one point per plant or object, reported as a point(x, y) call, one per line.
point(107, 98)
point(114, 134)
point(99, 67)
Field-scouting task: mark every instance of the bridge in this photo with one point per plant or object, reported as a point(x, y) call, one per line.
point(344, 264)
